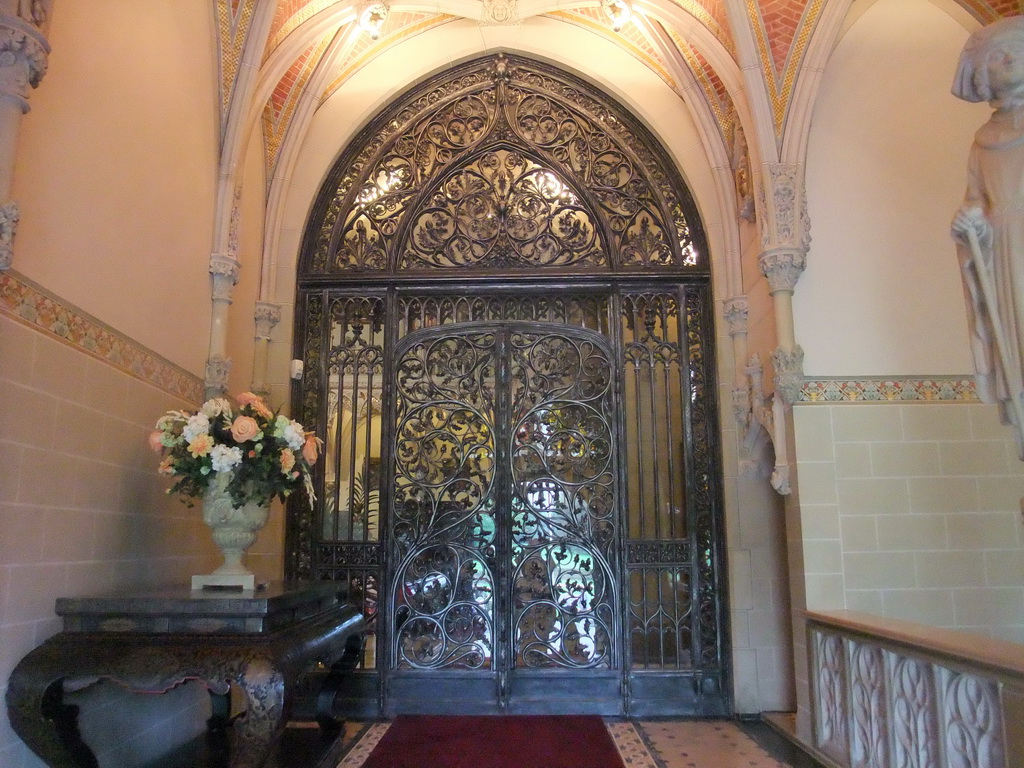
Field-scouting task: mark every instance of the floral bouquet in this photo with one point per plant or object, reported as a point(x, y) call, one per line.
point(267, 455)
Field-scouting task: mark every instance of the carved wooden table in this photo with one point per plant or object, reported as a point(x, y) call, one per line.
point(262, 642)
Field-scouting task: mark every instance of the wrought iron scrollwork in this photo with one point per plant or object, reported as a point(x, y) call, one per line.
point(503, 210)
point(503, 278)
point(506, 164)
point(448, 513)
point(564, 502)
point(442, 524)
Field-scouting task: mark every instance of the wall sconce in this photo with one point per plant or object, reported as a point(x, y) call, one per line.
point(618, 11)
point(372, 17)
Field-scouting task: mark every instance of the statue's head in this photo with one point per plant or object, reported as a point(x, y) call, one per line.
point(991, 62)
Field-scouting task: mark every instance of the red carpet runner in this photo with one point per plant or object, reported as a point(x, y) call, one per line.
point(570, 741)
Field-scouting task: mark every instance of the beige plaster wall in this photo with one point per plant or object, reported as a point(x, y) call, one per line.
point(116, 167)
point(907, 509)
point(886, 170)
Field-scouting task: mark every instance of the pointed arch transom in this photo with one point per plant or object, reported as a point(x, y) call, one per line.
point(504, 164)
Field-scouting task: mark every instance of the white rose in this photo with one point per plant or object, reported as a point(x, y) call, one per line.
point(215, 407)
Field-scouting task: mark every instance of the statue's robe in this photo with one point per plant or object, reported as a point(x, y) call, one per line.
point(996, 185)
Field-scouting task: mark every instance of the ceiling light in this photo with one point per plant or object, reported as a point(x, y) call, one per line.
point(618, 11)
point(372, 17)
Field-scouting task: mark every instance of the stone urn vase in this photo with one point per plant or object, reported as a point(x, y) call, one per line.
point(234, 531)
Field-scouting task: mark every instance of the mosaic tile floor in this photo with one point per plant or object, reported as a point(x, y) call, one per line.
point(656, 744)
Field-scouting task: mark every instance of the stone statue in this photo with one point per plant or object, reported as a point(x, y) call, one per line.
point(989, 227)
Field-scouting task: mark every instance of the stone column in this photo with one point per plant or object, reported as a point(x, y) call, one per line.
point(735, 313)
point(224, 271)
point(24, 52)
point(785, 238)
point(267, 317)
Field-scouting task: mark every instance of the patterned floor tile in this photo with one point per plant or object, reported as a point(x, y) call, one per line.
point(365, 740)
point(703, 744)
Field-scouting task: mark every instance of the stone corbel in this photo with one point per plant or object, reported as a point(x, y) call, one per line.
point(24, 58)
point(789, 373)
point(267, 316)
point(500, 13)
point(763, 419)
point(224, 271)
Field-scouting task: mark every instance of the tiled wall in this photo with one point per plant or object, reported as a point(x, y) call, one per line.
point(82, 510)
point(912, 510)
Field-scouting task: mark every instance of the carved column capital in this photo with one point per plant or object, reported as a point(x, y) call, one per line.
point(785, 221)
point(218, 368)
point(24, 57)
point(224, 270)
point(789, 373)
point(782, 267)
point(267, 316)
point(8, 224)
point(735, 312)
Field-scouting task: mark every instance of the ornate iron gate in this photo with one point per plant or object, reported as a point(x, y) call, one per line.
point(505, 313)
point(504, 517)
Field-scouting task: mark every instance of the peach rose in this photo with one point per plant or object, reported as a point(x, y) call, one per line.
point(311, 449)
point(287, 460)
point(156, 441)
point(244, 428)
point(250, 398)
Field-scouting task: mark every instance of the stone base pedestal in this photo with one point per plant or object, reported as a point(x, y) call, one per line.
point(225, 581)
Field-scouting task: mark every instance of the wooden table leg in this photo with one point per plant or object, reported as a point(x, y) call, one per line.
point(329, 689)
point(38, 714)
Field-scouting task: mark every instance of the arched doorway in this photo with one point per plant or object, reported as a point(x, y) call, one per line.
point(505, 312)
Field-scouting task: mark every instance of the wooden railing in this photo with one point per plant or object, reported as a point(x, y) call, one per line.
point(892, 694)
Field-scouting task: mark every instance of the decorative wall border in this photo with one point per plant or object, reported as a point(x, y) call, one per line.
point(882, 390)
point(34, 306)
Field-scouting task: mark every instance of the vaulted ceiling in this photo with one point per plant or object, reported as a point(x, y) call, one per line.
point(310, 48)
